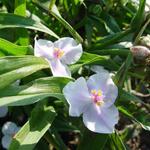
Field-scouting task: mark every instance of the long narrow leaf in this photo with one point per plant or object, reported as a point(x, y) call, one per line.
point(54, 12)
point(14, 21)
point(14, 68)
point(33, 92)
point(21, 34)
point(12, 49)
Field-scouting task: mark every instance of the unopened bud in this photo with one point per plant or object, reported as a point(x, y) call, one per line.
point(140, 52)
point(145, 41)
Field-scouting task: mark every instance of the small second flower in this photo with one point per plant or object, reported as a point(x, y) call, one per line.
point(59, 54)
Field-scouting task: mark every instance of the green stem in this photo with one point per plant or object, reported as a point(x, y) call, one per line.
point(141, 32)
point(122, 72)
point(50, 139)
point(67, 26)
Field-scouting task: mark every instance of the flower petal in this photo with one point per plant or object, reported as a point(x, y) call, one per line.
point(77, 95)
point(6, 140)
point(110, 94)
point(58, 69)
point(3, 111)
point(101, 120)
point(9, 128)
point(43, 48)
point(102, 81)
point(98, 81)
point(72, 50)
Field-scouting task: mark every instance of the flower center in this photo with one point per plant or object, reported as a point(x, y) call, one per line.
point(97, 97)
point(58, 53)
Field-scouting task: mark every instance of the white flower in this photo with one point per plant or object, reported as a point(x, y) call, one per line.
point(59, 54)
point(9, 129)
point(95, 100)
point(3, 111)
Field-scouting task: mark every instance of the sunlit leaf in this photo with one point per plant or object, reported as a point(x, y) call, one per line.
point(34, 129)
point(14, 21)
point(33, 92)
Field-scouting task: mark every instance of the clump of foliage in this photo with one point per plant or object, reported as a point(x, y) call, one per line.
point(109, 31)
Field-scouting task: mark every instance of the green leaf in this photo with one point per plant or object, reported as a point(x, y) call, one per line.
point(113, 52)
point(34, 129)
point(33, 92)
point(126, 96)
point(89, 30)
point(126, 112)
point(51, 138)
point(54, 12)
point(21, 34)
point(9, 48)
point(110, 39)
point(139, 17)
point(2, 54)
point(14, 68)
point(110, 21)
point(8, 20)
point(91, 59)
point(122, 72)
point(116, 142)
point(20, 7)
point(99, 21)
point(92, 141)
point(56, 139)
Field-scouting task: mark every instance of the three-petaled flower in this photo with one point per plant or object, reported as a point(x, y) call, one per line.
point(9, 130)
point(59, 54)
point(95, 100)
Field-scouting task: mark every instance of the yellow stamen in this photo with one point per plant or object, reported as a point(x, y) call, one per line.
point(99, 103)
point(58, 52)
point(97, 97)
point(99, 93)
point(93, 91)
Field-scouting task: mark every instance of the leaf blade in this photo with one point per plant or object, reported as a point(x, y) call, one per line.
point(32, 132)
point(33, 92)
point(8, 20)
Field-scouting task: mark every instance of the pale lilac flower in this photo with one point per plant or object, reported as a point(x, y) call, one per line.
point(59, 54)
point(3, 111)
point(9, 130)
point(95, 100)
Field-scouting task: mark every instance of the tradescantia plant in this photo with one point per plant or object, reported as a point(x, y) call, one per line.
point(74, 74)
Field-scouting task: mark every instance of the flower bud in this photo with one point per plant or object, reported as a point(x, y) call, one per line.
point(140, 52)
